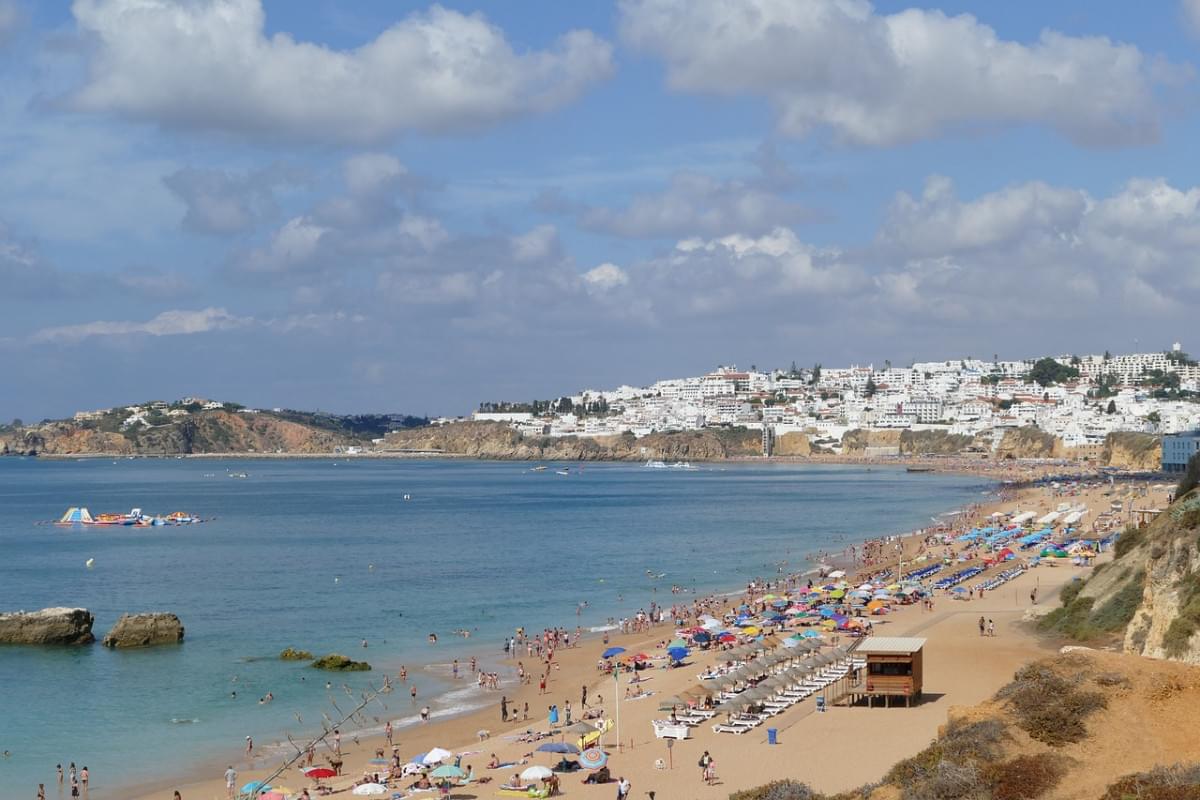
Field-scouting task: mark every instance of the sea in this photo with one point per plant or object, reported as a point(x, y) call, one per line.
point(323, 555)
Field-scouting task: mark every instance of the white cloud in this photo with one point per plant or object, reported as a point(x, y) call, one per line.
point(367, 172)
point(168, 323)
point(604, 277)
point(693, 204)
point(880, 79)
point(536, 245)
point(208, 64)
point(292, 246)
point(221, 202)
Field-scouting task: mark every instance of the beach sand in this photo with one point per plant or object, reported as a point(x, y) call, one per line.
point(835, 750)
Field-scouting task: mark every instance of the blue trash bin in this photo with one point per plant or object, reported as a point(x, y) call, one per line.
point(772, 733)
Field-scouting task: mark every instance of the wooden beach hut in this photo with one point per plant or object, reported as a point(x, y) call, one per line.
point(894, 668)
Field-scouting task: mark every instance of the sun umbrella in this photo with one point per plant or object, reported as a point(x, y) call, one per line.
point(536, 773)
point(369, 789)
point(272, 795)
point(677, 643)
point(435, 755)
point(593, 758)
point(677, 653)
point(558, 747)
point(752, 630)
point(319, 772)
point(256, 786)
point(612, 651)
point(447, 771)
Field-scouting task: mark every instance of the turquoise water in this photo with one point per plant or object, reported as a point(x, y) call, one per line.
point(320, 555)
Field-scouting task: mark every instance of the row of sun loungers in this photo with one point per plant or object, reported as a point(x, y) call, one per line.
point(781, 700)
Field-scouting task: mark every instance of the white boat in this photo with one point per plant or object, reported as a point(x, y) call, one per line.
point(682, 465)
point(562, 472)
point(656, 464)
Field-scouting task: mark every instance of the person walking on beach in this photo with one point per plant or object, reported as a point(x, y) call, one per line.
point(84, 775)
point(249, 747)
point(337, 741)
point(177, 796)
point(567, 712)
point(623, 788)
point(991, 628)
point(583, 697)
point(525, 713)
point(982, 626)
point(504, 708)
point(387, 731)
point(705, 760)
point(60, 774)
point(230, 780)
point(1033, 596)
point(41, 795)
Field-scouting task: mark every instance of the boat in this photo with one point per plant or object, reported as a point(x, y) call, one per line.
point(656, 465)
point(79, 515)
point(682, 465)
point(538, 468)
point(564, 471)
point(919, 469)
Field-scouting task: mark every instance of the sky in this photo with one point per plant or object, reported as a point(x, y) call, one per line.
point(393, 206)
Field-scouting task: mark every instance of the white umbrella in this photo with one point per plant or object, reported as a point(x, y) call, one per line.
point(369, 788)
point(436, 755)
point(536, 773)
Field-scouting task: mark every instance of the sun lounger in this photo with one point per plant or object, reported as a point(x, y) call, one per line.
point(737, 729)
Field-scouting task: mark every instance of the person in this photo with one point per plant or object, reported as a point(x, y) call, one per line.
point(84, 776)
point(567, 710)
point(623, 788)
point(710, 772)
point(413, 694)
point(583, 696)
point(991, 628)
point(249, 747)
point(41, 791)
point(177, 796)
point(553, 715)
point(1033, 595)
point(504, 708)
point(74, 786)
point(525, 712)
point(493, 762)
point(982, 626)
point(60, 773)
point(425, 714)
point(337, 741)
point(705, 760)
point(387, 731)
point(230, 780)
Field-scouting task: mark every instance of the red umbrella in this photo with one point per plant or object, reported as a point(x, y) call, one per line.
point(319, 772)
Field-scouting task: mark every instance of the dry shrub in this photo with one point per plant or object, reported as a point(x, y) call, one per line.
point(1024, 777)
point(777, 790)
point(1112, 679)
point(952, 767)
point(1177, 782)
point(1050, 708)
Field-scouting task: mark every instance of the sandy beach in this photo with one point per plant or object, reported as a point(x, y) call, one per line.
point(835, 750)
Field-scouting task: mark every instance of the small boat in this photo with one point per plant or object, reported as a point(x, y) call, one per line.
point(919, 469)
point(564, 471)
point(538, 468)
point(682, 465)
point(656, 465)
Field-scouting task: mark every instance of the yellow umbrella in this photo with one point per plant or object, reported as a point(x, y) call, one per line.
point(751, 631)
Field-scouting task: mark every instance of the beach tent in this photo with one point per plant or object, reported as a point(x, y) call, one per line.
point(74, 514)
point(1049, 518)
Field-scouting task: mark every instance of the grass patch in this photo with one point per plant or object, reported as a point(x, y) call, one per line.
point(1130, 538)
point(1024, 777)
point(1050, 708)
point(1072, 620)
point(1118, 611)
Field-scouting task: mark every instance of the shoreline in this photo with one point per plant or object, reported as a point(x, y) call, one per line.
point(197, 778)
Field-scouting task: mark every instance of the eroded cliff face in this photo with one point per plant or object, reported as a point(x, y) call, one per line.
point(203, 432)
point(1130, 450)
point(1029, 442)
point(499, 441)
point(1167, 621)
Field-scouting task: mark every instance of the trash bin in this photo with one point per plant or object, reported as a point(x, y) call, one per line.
point(820, 704)
point(772, 733)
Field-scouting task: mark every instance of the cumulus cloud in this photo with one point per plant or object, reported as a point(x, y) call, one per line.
point(168, 323)
point(880, 79)
point(222, 202)
point(604, 277)
point(26, 273)
point(291, 247)
point(209, 64)
point(1191, 15)
point(697, 205)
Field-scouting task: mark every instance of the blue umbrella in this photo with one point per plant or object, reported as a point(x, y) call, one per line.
point(593, 758)
point(558, 747)
point(612, 651)
point(811, 635)
point(677, 653)
point(256, 786)
point(701, 636)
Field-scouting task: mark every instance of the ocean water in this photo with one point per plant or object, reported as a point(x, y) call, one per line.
point(322, 554)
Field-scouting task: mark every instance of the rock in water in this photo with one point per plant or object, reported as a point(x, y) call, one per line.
point(48, 626)
point(292, 654)
point(143, 630)
point(340, 663)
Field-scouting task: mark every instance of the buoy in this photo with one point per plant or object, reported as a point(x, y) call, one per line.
point(90, 563)
point(337, 580)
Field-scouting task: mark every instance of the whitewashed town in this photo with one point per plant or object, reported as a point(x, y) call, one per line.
point(1078, 399)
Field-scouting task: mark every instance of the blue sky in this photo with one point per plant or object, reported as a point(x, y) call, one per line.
point(411, 207)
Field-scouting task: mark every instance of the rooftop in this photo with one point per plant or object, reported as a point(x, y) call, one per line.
point(895, 645)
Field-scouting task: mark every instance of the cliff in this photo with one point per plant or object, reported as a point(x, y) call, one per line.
point(198, 433)
point(496, 440)
point(1130, 450)
point(1148, 597)
point(48, 626)
point(1029, 442)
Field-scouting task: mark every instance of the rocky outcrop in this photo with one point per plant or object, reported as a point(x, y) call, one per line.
point(1130, 450)
point(144, 630)
point(936, 442)
point(793, 443)
point(48, 626)
point(340, 663)
point(496, 440)
point(292, 654)
point(1029, 442)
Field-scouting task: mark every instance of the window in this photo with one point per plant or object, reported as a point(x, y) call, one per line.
point(890, 668)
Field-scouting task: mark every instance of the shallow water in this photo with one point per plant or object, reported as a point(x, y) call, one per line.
point(320, 555)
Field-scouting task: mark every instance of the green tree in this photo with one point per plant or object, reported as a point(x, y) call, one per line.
point(870, 389)
point(1154, 417)
point(816, 374)
point(1047, 371)
point(1112, 407)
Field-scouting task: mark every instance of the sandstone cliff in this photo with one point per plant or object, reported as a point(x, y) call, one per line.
point(1029, 442)
point(495, 440)
point(144, 630)
point(48, 626)
point(1130, 450)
